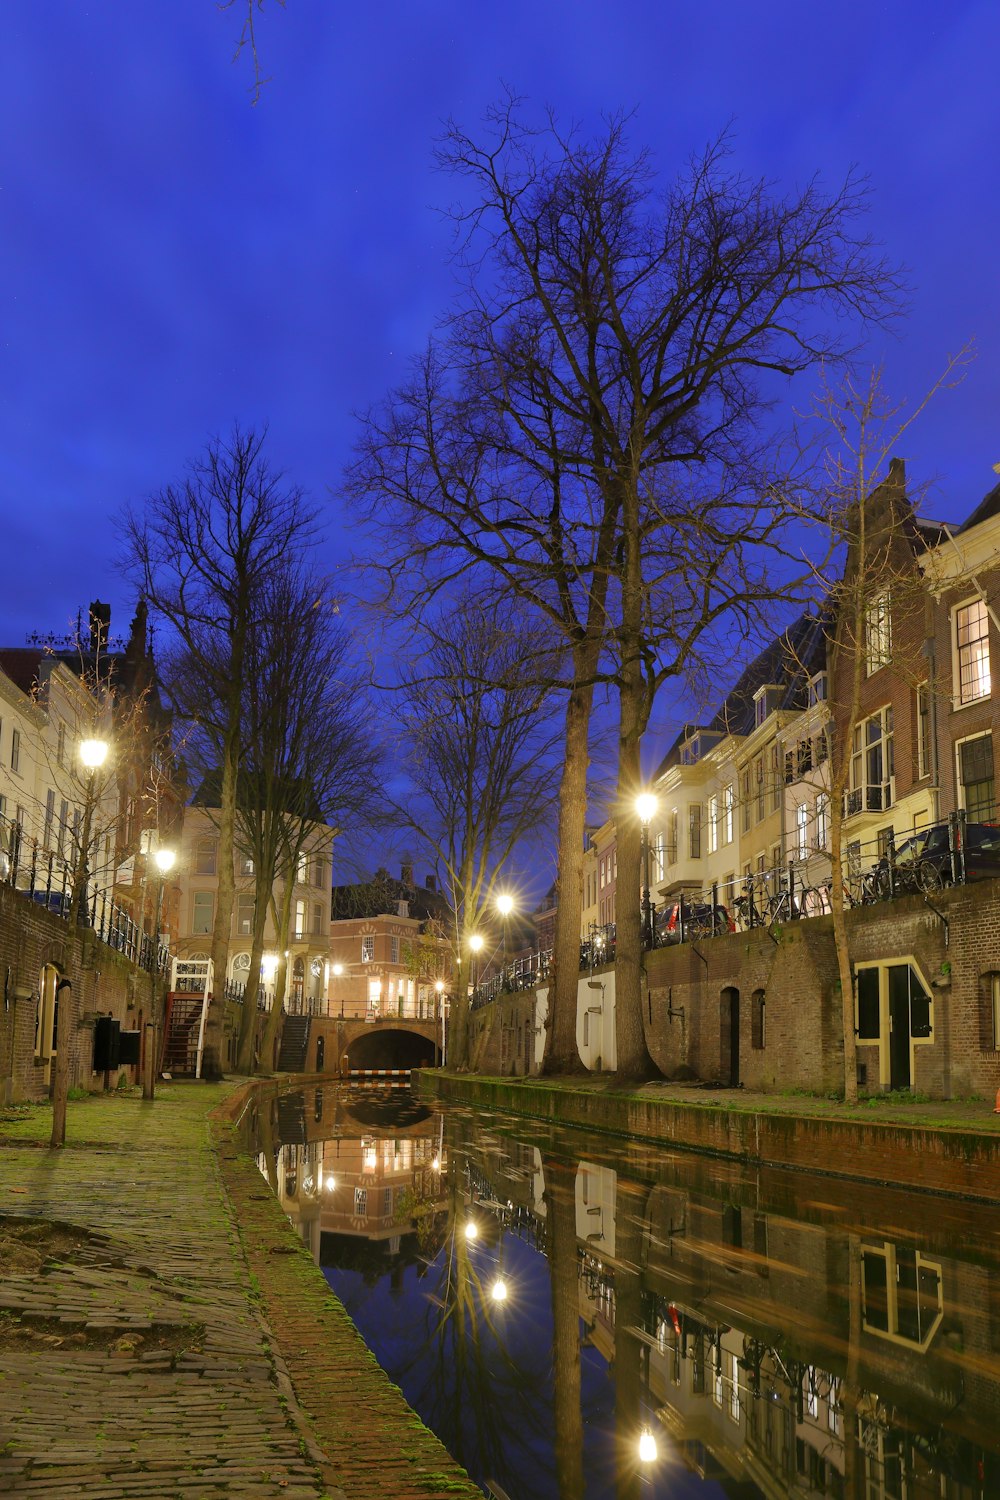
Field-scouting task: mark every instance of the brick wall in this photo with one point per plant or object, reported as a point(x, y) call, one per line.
point(798, 976)
point(104, 983)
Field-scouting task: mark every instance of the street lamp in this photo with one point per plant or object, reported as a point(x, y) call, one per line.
point(645, 806)
point(164, 860)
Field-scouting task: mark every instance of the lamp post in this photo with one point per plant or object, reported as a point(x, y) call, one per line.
point(439, 991)
point(164, 862)
point(476, 947)
point(645, 806)
point(93, 753)
point(505, 905)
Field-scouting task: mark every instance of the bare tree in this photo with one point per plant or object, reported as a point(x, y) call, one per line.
point(875, 607)
point(479, 755)
point(607, 362)
point(247, 41)
point(202, 552)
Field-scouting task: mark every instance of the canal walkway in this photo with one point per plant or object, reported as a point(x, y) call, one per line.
point(163, 1332)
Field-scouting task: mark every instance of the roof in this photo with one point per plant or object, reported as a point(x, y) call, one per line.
point(987, 508)
point(787, 662)
point(381, 896)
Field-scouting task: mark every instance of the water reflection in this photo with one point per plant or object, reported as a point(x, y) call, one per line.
point(764, 1334)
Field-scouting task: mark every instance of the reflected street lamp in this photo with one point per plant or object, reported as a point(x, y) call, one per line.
point(645, 806)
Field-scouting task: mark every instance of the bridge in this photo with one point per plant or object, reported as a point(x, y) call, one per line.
point(331, 1044)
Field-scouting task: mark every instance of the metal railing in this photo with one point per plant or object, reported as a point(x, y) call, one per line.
point(880, 869)
point(46, 877)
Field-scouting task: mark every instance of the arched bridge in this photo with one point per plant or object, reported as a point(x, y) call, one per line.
point(333, 1045)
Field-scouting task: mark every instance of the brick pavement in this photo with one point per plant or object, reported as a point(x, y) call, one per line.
point(158, 1344)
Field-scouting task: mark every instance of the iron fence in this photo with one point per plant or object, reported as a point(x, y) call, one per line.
point(879, 869)
point(45, 876)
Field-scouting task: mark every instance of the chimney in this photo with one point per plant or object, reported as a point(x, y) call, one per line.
point(100, 627)
point(406, 871)
point(430, 883)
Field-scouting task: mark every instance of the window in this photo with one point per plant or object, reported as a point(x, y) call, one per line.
point(872, 764)
point(202, 912)
point(972, 651)
point(975, 775)
point(61, 745)
point(367, 949)
point(246, 864)
point(694, 830)
point(923, 731)
point(758, 774)
point(728, 803)
point(602, 874)
point(319, 873)
point(300, 919)
point(205, 852)
point(394, 950)
point(713, 823)
point(50, 816)
point(801, 831)
point(15, 749)
point(775, 798)
point(317, 926)
point(759, 708)
point(673, 833)
point(64, 840)
point(822, 821)
point(878, 634)
point(361, 1202)
point(746, 802)
point(245, 907)
point(302, 869)
point(817, 689)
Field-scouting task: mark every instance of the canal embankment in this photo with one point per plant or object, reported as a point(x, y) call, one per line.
point(163, 1331)
point(949, 1147)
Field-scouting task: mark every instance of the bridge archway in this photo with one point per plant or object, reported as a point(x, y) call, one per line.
point(391, 1047)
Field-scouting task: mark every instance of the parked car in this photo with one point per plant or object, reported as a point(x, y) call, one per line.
point(698, 921)
point(924, 862)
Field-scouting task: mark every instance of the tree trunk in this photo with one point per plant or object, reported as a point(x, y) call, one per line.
point(458, 1025)
point(840, 940)
point(275, 1015)
point(65, 996)
point(211, 1066)
point(245, 1060)
point(633, 1061)
point(561, 1054)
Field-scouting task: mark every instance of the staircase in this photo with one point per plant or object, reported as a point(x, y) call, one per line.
point(180, 1035)
point(294, 1044)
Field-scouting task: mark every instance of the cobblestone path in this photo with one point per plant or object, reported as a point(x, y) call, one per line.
point(135, 1355)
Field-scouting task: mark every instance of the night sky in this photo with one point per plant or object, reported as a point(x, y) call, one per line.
point(172, 258)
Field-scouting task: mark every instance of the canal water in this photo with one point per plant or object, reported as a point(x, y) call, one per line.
point(579, 1318)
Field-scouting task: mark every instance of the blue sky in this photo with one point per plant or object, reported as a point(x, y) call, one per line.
point(172, 259)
